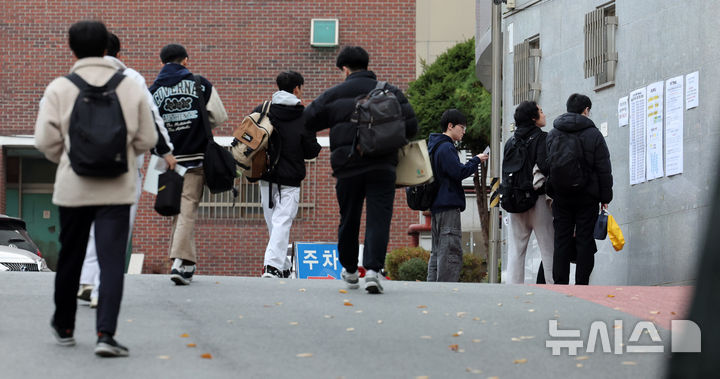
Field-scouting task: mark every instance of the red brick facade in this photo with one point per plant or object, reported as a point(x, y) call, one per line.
point(240, 47)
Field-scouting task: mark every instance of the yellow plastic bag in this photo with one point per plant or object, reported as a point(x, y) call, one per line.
point(615, 234)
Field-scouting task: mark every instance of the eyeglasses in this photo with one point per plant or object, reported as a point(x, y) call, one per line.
point(462, 126)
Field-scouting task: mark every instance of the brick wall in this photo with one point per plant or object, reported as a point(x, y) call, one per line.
point(240, 46)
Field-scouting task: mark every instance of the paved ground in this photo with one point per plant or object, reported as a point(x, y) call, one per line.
point(253, 327)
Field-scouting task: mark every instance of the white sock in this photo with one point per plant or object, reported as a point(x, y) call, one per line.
point(177, 263)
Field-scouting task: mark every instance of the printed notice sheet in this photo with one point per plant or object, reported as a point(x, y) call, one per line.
point(674, 126)
point(623, 116)
point(654, 130)
point(156, 167)
point(691, 92)
point(637, 136)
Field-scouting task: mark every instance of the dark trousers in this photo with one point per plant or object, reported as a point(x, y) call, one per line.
point(378, 188)
point(111, 235)
point(574, 225)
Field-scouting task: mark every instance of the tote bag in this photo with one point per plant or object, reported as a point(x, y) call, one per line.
point(413, 164)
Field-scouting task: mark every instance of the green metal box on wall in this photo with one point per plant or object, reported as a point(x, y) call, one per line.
point(324, 32)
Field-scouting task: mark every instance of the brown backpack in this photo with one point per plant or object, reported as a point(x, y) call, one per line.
point(250, 143)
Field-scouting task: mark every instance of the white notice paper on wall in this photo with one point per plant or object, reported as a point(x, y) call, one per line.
point(674, 126)
point(654, 130)
point(692, 93)
point(623, 115)
point(637, 136)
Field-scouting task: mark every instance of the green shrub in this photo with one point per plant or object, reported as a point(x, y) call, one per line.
point(395, 258)
point(414, 269)
point(473, 270)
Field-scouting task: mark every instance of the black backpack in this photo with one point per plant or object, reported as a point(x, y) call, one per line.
point(97, 132)
point(517, 194)
point(422, 196)
point(380, 123)
point(569, 173)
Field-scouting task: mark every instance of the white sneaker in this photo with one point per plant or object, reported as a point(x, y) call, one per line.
point(93, 302)
point(351, 280)
point(372, 282)
point(84, 292)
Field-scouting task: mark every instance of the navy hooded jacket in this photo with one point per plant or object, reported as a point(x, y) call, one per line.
point(450, 172)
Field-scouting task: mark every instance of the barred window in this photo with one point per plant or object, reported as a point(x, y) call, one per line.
point(526, 75)
point(600, 54)
point(247, 205)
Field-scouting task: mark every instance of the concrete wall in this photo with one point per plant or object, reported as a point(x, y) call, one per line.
point(440, 25)
point(663, 220)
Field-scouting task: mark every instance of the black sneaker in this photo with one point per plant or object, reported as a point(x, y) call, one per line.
point(272, 272)
point(108, 347)
point(286, 273)
point(64, 337)
point(183, 276)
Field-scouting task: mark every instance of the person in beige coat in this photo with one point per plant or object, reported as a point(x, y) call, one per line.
point(83, 200)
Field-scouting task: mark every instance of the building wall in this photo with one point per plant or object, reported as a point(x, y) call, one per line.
point(663, 220)
point(440, 26)
point(240, 47)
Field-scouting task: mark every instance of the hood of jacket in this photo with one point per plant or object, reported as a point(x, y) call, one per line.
point(436, 138)
point(284, 112)
point(171, 74)
point(572, 123)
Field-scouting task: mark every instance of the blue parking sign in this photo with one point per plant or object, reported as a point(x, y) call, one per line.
point(317, 260)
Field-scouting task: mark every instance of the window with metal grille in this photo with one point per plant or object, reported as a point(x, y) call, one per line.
point(247, 205)
point(526, 75)
point(600, 54)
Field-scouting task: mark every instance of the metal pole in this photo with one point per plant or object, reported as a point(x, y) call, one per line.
point(496, 129)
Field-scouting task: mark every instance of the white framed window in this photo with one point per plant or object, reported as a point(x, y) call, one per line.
point(526, 71)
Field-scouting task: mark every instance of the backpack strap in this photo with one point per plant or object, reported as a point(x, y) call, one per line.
point(114, 81)
point(264, 111)
point(82, 85)
point(79, 82)
point(203, 108)
point(381, 85)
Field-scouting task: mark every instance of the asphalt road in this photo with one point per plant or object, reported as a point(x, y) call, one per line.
point(235, 327)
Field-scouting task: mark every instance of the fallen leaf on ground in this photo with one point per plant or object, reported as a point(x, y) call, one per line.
point(476, 340)
point(528, 293)
point(422, 377)
point(380, 321)
point(217, 282)
point(582, 358)
point(294, 323)
point(531, 310)
point(278, 303)
point(184, 335)
point(230, 321)
point(610, 295)
point(130, 320)
point(424, 312)
point(426, 337)
point(526, 337)
point(515, 339)
point(473, 370)
point(328, 316)
point(629, 363)
point(461, 314)
point(206, 356)
point(454, 347)
point(499, 304)
point(350, 329)
point(282, 282)
point(422, 306)
point(673, 313)
point(520, 361)
point(267, 306)
point(579, 365)
point(342, 291)
point(458, 334)
point(476, 318)
point(302, 290)
point(358, 311)
point(191, 345)
point(304, 355)
point(163, 357)
point(655, 312)
point(348, 304)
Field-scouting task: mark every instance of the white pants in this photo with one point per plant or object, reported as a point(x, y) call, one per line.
point(91, 268)
point(540, 220)
point(279, 219)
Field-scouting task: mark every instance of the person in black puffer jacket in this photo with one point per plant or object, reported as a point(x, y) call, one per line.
point(280, 187)
point(358, 177)
point(577, 213)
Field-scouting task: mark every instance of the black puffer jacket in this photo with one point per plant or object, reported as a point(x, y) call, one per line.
point(333, 108)
point(297, 144)
point(597, 156)
point(537, 151)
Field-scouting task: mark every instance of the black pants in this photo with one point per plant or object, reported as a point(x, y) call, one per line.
point(111, 235)
point(576, 220)
point(378, 187)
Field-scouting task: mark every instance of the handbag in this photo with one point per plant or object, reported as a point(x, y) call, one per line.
point(413, 164)
point(616, 235)
point(601, 226)
point(169, 193)
point(218, 162)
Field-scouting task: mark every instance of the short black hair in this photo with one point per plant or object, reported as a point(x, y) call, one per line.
point(113, 45)
point(173, 53)
point(88, 39)
point(288, 80)
point(452, 116)
point(577, 103)
point(526, 112)
point(353, 57)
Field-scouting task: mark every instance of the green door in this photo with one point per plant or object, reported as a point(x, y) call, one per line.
point(43, 224)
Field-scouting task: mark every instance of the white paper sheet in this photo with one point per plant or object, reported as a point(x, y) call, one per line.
point(623, 112)
point(654, 128)
point(156, 167)
point(692, 92)
point(674, 126)
point(637, 136)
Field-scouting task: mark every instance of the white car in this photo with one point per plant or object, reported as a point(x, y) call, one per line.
point(14, 259)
